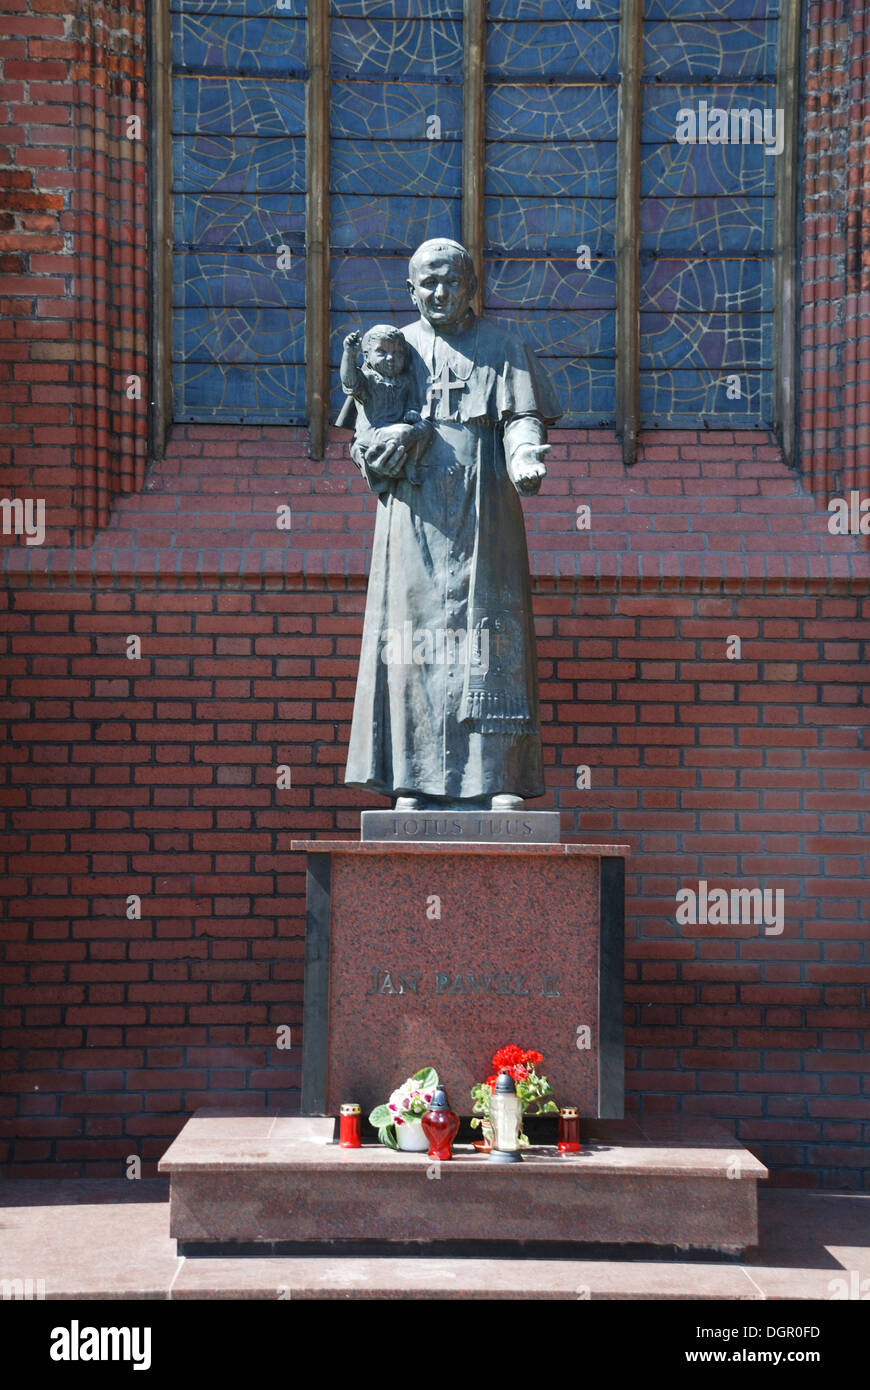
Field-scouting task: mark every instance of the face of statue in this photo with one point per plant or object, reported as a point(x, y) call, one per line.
point(386, 355)
point(441, 288)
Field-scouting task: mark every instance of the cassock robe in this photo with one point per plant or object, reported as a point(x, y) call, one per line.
point(461, 720)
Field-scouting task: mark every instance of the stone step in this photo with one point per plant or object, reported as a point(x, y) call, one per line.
point(242, 1182)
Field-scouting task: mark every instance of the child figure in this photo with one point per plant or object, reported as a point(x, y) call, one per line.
point(382, 391)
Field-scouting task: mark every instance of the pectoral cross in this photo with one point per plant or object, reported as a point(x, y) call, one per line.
point(442, 386)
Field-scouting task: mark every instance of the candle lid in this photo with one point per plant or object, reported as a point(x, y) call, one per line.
point(351, 1108)
point(439, 1100)
point(505, 1084)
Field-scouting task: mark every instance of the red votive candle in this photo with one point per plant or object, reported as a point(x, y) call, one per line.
point(350, 1128)
point(569, 1130)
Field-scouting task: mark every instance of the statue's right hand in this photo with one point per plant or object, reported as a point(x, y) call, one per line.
point(388, 461)
point(386, 454)
point(352, 341)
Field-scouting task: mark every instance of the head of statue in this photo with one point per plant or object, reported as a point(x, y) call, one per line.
point(385, 350)
point(441, 282)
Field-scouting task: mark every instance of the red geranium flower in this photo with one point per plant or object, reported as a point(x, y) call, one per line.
point(507, 1056)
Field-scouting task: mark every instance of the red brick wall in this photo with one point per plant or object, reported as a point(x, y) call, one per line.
point(157, 777)
point(73, 258)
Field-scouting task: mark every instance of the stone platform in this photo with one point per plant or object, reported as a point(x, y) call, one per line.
point(272, 1184)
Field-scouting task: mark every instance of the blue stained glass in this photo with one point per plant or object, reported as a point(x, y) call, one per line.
point(553, 9)
point(543, 112)
point(216, 164)
point(720, 49)
point(287, 9)
point(239, 46)
point(394, 110)
point(240, 221)
point(705, 170)
point(255, 395)
point(237, 106)
point(210, 278)
point(687, 397)
point(397, 9)
point(239, 334)
point(551, 50)
point(549, 284)
point(705, 340)
point(663, 100)
point(706, 211)
point(396, 166)
point(392, 223)
point(585, 385)
point(404, 47)
point(555, 333)
point(711, 9)
point(704, 320)
point(712, 286)
point(687, 226)
point(554, 226)
point(370, 284)
point(539, 170)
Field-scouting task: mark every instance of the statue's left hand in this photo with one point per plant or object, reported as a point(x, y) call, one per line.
point(527, 468)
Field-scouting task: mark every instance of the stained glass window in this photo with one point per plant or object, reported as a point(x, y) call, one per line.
point(706, 285)
point(396, 153)
point(551, 180)
point(551, 111)
point(238, 182)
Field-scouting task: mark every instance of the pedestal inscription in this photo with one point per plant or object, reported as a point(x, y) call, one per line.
point(470, 827)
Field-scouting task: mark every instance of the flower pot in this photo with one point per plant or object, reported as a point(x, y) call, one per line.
point(411, 1138)
point(484, 1143)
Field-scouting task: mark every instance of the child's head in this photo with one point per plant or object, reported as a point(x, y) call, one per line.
point(385, 350)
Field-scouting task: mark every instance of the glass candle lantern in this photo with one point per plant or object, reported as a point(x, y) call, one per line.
point(440, 1126)
point(350, 1127)
point(569, 1130)
point(506, 1116)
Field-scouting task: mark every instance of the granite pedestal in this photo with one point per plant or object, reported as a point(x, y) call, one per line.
point(436, 954)
point(270, 1184)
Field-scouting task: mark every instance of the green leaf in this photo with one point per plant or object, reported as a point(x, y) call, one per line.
point(381, 1115)
point(427, 1077)
point(387, 1136)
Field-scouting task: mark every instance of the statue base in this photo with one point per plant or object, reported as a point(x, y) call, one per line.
point(423, 954)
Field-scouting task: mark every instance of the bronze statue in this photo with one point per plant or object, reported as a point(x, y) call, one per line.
point(446, 709)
